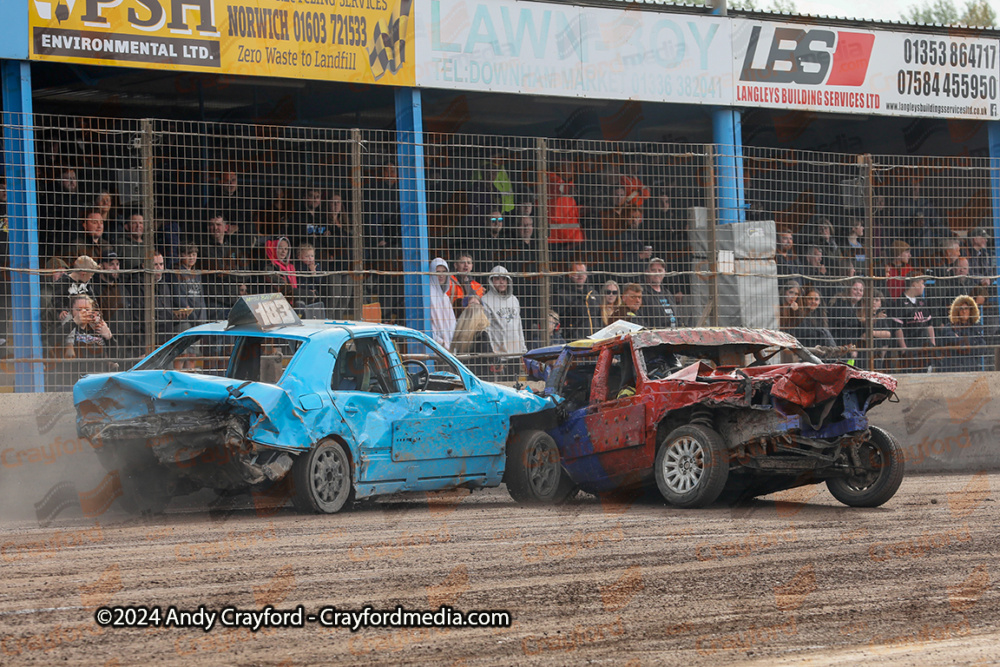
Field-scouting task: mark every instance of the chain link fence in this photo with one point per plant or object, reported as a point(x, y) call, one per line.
point(148, 227)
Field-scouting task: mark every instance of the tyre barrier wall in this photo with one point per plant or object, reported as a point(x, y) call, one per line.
point(944, 423)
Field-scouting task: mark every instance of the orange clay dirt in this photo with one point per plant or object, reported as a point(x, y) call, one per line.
point(794, 578)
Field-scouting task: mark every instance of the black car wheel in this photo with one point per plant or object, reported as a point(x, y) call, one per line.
point(534, 472)
point(322, 478)
point(692, 466)
point(882, 461)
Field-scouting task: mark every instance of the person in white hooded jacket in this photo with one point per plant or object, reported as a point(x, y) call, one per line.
point(504, 312)
point(442, 312)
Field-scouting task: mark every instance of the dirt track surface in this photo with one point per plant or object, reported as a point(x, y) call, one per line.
point(792, 579)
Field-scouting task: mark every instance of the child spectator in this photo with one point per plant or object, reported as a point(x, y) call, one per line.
point(442, 312)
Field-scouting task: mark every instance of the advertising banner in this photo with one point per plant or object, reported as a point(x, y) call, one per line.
point(562, 50)
point(361, 41)
point(841, 70)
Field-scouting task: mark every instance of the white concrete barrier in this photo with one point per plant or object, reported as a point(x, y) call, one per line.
point(944, 422)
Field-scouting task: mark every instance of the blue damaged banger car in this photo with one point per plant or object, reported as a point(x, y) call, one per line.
point(348, 410)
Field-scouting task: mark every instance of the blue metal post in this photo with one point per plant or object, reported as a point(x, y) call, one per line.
point(413, 208)
point(994, 139)
point(22, 218)
point(727, 132)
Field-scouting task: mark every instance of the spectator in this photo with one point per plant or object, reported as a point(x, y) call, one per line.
point(899, 268)
point(555, 331)
point(309, 222)
point(914, 326)
point(111, 293)
point(463, 288)
point(91, 241)
point(313, 294)
point(658, 310)
point(856, 332)
point(54, 303)
point(631, 308)
point(982, 266)
point(442, 312)
point(334, 252)
point(954, 282)
point(814, 272)
point(925, 233)
point(494, 240)
point(565, 235)
point(132, 249)
point(168, 240)
point(220, 260)
point(493, 180)
point(163, 308)
point(89, 340)
point(812, 328)
point(104, 203)
point(630, 250)
point(843, 311)
point(576, 302)
point(855, 249)
point(785, 257)
point(60, 210)
point(190, 308)
point(964, 336)
point(824, 239)
point(501, 306)
point(78, 280)
point(235, 206)
point(611, 302)
point(282, 277)
point(789, 312)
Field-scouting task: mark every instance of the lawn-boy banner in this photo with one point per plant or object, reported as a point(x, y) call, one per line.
point(564, 50)
point(846, 70)
point(363, 41)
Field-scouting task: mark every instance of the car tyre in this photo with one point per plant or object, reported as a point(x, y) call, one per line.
point(144, 491)
point(884, 458)
point(534, 470)
point(322, 479)
point(692, 466)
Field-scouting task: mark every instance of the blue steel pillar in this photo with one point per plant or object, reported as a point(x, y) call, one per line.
point(22, 217)
point(727, 133)
point(994, 138)
point(413, 208)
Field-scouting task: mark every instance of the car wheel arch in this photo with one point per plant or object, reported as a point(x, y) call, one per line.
point(693, 414)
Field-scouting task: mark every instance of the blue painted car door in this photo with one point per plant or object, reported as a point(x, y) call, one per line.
point(452, 429)
point(367, 392)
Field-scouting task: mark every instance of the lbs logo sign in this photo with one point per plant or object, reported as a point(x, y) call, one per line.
point(811, 57)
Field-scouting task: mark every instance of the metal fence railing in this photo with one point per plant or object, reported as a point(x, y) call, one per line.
point(149, 227)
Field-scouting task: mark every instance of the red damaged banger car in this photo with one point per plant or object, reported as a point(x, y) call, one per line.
point(704, 411)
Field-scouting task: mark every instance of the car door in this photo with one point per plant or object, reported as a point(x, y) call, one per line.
point(614, 423)
point(369, 396)
point(451, 431)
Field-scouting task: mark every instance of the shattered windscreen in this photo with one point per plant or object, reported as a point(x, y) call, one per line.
point(254, 358)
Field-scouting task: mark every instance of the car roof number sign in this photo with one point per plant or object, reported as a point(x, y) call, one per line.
point(264, 310)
